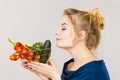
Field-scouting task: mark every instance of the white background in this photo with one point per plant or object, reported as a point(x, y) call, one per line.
point(37, 20)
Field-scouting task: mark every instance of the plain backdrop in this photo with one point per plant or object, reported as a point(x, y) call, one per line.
point(30, 21)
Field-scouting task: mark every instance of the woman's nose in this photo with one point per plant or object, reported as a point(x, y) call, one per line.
point(57, 32)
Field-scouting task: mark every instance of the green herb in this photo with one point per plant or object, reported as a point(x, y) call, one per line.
point(37, 46)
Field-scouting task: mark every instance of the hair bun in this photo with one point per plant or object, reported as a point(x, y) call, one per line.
point(96, 13)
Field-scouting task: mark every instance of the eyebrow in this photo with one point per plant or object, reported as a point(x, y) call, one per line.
point(64, 24)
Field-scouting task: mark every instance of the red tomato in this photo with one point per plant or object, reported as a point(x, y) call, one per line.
point(23, 55)
point(30, 54)
point(18, 44)
point(13, 57)
point(29, 58)
point(37, 57)
point(24, 50)
point(17, 57)
point(18, 49)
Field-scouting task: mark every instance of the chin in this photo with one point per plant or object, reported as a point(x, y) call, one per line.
point(60, 46)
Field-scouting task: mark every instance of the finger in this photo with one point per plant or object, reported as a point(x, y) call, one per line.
point(35, 71)
point(27, 67)
point(35, 67)
point(37, 64)
point(24, 65)
point(51, 62)
point(41, 76)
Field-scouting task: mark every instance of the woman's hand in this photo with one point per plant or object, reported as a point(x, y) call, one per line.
point(38, 74)
point(44, 71)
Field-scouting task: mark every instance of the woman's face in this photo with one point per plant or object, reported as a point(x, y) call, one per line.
point(65, 33)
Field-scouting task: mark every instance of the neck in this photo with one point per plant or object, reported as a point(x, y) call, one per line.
point(81, 56)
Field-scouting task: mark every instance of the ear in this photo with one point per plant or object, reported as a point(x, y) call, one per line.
point(82, 35)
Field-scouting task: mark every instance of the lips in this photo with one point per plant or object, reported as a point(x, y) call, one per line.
point(57, 39)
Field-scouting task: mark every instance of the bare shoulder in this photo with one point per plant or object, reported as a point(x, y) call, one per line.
point(69, 66)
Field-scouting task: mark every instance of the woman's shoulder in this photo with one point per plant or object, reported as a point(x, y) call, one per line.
point(68, 63)
point(95, 70)
point(92, 64)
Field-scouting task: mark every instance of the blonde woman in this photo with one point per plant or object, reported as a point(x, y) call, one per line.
point(79, 33)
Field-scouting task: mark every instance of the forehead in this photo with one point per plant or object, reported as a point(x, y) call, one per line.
point(66, 19)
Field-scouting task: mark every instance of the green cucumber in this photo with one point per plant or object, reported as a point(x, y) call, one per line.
point(46, 52)
point(47, 44)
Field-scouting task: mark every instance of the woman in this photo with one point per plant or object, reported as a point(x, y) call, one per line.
point(79, 34)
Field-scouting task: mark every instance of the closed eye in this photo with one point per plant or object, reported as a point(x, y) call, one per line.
point(63, 28)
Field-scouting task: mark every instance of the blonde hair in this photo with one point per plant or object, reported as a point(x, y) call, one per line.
point(89, 21)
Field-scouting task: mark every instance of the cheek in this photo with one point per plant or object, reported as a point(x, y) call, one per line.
point(66, 41)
